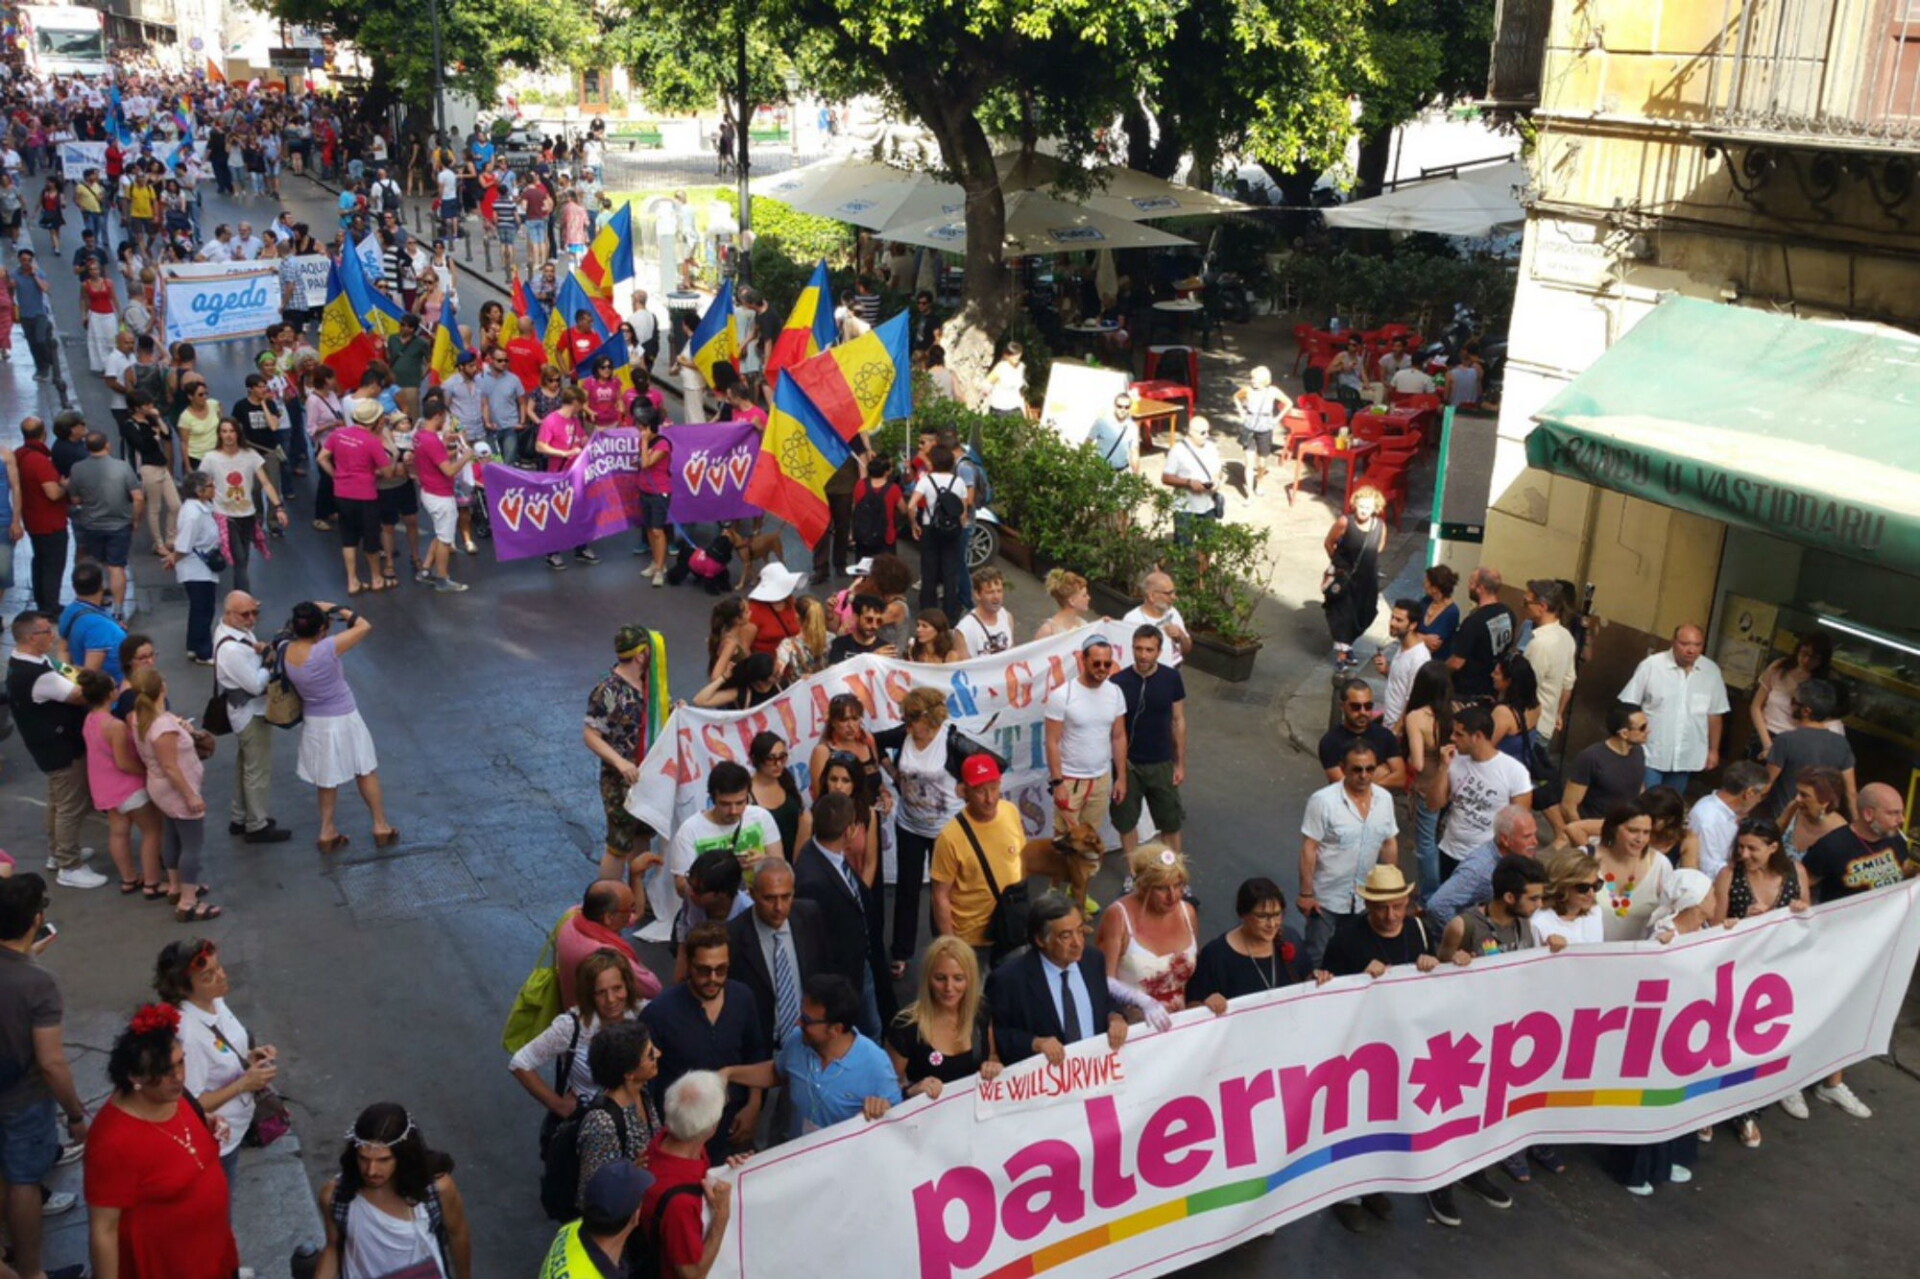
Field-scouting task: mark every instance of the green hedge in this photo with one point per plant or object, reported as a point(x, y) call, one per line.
point(786, 246)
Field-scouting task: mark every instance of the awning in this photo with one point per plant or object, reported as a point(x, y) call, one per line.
point(1795, 428)
point(1473, 202)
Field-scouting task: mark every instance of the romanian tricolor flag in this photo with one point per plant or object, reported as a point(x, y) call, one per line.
point(714, 341)
point(799, 452)
point(809, 329)
point(356, 321)
point(447, 346)
point(858, 384)
point(610, 257)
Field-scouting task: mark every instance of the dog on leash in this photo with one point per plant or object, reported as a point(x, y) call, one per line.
point(1070, 859)
point(753, 550)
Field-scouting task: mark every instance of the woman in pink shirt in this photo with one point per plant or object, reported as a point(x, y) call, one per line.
point(563, 437)
point(354, 457)
point(656, 486)
point(117, 781)
point(609, 402)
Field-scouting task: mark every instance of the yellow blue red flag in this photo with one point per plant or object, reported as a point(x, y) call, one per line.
point(809, 329)
point(858, 384)
point(715, 341)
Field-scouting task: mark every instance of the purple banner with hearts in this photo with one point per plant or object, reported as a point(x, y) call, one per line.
point(711, 463)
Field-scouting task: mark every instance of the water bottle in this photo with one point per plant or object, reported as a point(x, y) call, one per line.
point(1341, 440)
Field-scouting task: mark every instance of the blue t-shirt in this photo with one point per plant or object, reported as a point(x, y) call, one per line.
point(89, 628)
point(826, 1093)
point(1109, 440)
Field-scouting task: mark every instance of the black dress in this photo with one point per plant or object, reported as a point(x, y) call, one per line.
point(904, 1038)
point(1222, 970)
point(1356, 570)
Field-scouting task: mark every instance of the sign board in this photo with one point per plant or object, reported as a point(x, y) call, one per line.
point(220, 301)
point(1076, 396)
point(312, 270)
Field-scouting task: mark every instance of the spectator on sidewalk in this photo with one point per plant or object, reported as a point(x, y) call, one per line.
point(52, 715)
point(106, 502)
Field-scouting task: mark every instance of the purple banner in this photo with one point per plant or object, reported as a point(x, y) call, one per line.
point(711, 463)
point(537, 513)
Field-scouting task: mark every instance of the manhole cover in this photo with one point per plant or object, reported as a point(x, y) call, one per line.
point(1244, 696)
point(403, 888)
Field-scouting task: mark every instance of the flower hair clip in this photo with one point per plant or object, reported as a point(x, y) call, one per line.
point(152, 1017)
point(356, 1140)
point(1168, 857)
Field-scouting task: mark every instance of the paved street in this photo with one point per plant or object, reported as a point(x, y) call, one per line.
point(387, 975)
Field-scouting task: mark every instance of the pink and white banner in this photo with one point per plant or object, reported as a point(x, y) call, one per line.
point(1222, 1128)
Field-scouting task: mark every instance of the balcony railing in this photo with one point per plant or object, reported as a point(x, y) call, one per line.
point(1842, 73)
point(1519, 52)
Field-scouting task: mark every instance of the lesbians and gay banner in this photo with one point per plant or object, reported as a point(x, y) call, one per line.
point(544, 513)
point(1194, 1140)
point(998, 699)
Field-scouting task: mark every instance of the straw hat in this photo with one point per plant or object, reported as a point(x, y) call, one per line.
point(1385, 884)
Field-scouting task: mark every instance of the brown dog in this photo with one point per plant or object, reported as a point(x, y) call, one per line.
point(1070, 859)
point(753, 551)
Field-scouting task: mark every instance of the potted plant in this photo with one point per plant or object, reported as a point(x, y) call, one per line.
point(1222, 577)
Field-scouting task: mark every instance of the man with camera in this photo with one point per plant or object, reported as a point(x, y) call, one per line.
point(240, 672)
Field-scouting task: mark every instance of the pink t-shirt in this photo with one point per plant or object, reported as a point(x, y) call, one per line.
point(562, 432)
point(573, 223)
point(606, 400)
point(429, 454)
point(658, 478)
point(752, 413)
point(357, 453)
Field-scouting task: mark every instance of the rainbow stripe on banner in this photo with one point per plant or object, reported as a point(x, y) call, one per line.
point(1055, 1255)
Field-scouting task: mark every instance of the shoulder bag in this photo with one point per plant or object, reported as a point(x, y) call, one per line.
point(1007, 927)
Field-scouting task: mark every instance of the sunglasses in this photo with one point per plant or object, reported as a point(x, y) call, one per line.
point(203, 958)
point(1594, 887)
point(781, 758)
point(710, 970)
point(1359, 706)
point(1361, 768)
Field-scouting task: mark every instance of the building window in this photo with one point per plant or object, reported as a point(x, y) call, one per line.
point(1520, 51)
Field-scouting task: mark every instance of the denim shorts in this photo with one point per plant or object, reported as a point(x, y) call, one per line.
point(110, 546)
point(29, 1143)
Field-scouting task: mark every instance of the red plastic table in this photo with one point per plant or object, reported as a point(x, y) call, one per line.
point(1324, 453)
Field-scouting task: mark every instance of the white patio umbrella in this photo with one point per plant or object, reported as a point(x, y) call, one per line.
point(1039, 224)
point(1118, 192)
point(1474, 203)
point(863, 192)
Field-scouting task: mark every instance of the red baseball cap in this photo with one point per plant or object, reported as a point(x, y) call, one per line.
point(979, 770)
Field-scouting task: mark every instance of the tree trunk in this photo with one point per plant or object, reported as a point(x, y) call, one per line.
point(1371, 173)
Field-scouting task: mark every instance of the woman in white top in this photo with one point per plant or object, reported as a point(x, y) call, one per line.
point(394, 1207)
point(924, 773)
point(1772, 707)
point(224, 1070)
point(1261, 405)
point(1007, 385)
point(1632, 874)
point(1151, 937)
point(237, 472)
point(605, 993)
point(197, 534)
point(1572, 909)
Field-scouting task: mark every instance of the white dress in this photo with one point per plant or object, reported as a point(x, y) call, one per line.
point(379, 1245)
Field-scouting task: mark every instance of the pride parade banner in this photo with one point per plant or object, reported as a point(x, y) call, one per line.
point(998, 699)
point(1224, 1128)
point(543, 513)
point(219, 301)
point(711, 463)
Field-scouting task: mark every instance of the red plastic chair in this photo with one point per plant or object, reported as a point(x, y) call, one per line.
point(1183, 365)
point(1387, 471)
point(1168, 392)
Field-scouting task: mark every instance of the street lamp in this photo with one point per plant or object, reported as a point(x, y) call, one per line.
point(439, 76)
point(793, 111)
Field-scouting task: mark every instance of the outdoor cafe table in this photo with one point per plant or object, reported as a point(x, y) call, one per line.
point(1394, 421)
point(1325, 453)
point(1149, 412)
point(1088, 332)
point(1183, 310)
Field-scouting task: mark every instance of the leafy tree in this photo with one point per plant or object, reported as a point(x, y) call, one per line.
point(1425, 54)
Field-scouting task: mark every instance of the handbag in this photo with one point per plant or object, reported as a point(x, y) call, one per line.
point(217, 718)
point(214, 558)
point(1007, 926)
point(271, 1119)
point(285, 706)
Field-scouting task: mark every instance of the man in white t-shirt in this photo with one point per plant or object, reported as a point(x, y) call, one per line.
point(1481, 781)
point(1412, 380)
point(987, 627)
point(1086, 733)
point(220, 247)
point(1158, 610)
point(732, 821)
point(447, 184)
point(1406, 661)
point(1192, 470)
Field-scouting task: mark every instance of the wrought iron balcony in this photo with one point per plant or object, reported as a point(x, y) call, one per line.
point(1519, 53)
point(1835, 75)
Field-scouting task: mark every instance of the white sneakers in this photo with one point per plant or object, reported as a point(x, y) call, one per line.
point(1842, 1096)
point(1795, 1104)
point(58, 1202)
point(80, 877)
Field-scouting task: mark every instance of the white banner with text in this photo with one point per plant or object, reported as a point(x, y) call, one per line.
point(1222, 1128)
point(220, 301)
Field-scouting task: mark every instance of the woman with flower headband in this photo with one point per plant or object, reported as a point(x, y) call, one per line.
point(157, 1192)
point(394, 1209)
point(1151, 937)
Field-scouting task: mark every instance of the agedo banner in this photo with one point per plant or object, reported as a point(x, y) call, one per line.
point(219, 301)
point(998, 699)
point(541, 513)
point(1224, 1128)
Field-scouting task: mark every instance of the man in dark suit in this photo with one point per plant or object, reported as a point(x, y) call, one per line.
point(1056, 992)
point(823, 875)
point(779, 932)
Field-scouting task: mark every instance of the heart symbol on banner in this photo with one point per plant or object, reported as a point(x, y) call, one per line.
point(511, 504)
point(563, 504)
point(737, 466)
point(537, 512)
point(694, 471)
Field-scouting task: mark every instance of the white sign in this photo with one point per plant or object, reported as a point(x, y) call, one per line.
point(77, 157)
point(220, 301)
point(1086, 1071)
point(311, 270)
point(371, 260)
point(1298, 1098)
point(1077, 394)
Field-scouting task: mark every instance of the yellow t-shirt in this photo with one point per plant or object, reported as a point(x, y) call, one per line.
point(87, 197)
point(1002, 840)
point(201, 432)
point(140, 202)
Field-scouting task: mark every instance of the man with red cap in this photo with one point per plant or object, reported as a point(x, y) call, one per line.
point(977, 862)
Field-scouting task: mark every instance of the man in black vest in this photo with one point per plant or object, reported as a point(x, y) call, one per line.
point(46, 704)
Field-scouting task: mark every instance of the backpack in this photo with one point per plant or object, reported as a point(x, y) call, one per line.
point(644, 1256)
point(285, 706)
point(949, 513)
point(870, 520)
point(436, 1219)
point(560, 1173)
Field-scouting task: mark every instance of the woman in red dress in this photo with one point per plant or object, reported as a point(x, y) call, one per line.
point(154, 1182)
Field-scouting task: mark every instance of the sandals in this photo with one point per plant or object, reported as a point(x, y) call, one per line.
point(331, 844)
point(199, 914)
point(154, 892)
point(392, 583)
point(387, 838)
point(354, 588)
point(128, 887)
